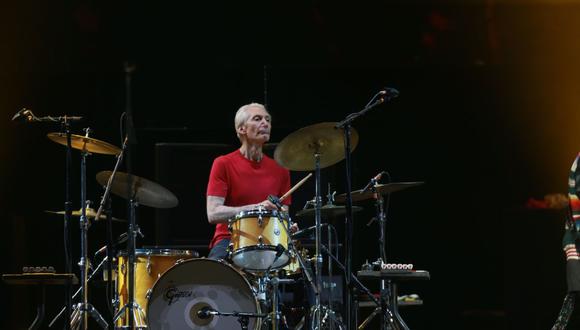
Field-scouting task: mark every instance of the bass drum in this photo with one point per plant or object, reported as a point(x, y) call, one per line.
point(194, 284)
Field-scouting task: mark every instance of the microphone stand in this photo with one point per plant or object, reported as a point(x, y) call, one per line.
point(67, 223)
point(65, 122)
point(346, 125)
point(104, 201)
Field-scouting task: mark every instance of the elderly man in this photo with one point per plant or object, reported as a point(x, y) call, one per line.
point(243, 179)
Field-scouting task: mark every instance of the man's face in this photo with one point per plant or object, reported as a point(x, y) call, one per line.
point(257, 127)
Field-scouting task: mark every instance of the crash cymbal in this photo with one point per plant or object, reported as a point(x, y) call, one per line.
point(91, 214)
point(296, 151)
point(383, 189)
point(89, 144)
point(144, 191)
point(327, 211)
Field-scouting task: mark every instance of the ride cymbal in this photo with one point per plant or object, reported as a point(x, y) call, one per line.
point(296, 152)
point(142, 191)
point(85, 143)
point(383, 189)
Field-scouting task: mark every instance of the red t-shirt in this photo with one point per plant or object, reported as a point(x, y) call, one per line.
point(242, 181)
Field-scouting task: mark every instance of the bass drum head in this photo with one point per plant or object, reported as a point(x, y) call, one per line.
point(194, 284)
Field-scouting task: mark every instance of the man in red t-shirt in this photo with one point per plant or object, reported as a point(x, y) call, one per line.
point(243, 179)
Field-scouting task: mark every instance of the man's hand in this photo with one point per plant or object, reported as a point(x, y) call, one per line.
point(294, 228)
point(268, 205)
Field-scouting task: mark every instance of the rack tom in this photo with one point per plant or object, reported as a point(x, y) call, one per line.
point(259, 239)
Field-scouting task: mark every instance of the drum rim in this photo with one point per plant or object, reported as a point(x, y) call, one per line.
point(260, 247)
point(220, 261)
point(157, 252)
point(253, 213)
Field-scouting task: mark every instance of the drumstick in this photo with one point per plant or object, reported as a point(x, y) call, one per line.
point(296, 186)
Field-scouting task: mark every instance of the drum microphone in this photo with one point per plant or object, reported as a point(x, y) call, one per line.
point(30, 117)
point(279, 250)
point(373, 181)
point(389, 92)
point(122, 239)
point(276, 201)
point(205, 313)
point(23, 113)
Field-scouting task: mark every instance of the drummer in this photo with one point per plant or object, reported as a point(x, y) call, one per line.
point(243, 179)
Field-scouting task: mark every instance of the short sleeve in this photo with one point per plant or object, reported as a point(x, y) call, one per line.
point(218, 179)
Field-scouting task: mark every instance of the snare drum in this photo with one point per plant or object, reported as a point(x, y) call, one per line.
point(257, 236)
point(195, 284)
point(150, 264)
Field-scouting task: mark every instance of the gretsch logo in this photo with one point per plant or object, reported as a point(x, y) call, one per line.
point(172, 294)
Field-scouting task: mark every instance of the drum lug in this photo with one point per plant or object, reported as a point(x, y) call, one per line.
point(260, 240)
point(148, 294)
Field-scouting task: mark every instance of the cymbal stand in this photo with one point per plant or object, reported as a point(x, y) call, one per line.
point(79, 319)
point(63, 310)
point(136, 315)
point(316, 310)
point(387, 321)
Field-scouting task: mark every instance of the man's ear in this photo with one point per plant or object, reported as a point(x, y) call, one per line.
point(242, 130)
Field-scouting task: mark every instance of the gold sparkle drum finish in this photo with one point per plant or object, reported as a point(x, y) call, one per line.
point(195, 284)
point(150, 264)
point(257, 237)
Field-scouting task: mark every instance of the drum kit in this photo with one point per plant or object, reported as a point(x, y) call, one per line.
point(162, 288)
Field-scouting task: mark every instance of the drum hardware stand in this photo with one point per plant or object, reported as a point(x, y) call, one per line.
point(65, 122)
point(135, 319)
point(385, 95)
point(63, 310)
point(136, 314)
point(105, 204)
point(80, 315)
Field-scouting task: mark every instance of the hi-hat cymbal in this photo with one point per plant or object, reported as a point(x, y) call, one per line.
point(383, 189)
point(143, 191)
point(327, 211)
point(296, 151)
point(90, 213)
point(89, 144)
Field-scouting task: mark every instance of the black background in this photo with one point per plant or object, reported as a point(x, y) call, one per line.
point(487, 117)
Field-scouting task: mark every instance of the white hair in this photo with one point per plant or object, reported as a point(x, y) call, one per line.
point(242, 115)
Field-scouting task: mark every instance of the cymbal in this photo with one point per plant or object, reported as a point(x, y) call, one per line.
point(91, 214)
point(89, 144)
point(382, 189)
point(143, 191)
point(296, 151)
point(327, 211)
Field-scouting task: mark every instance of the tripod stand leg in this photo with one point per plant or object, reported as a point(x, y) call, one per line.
point(369, 318)
point(95, 315)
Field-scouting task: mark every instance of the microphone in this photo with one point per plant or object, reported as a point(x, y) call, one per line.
point(120, 240)
point(279, 250)
point(373, 181)
point(206, 312)
point(23, 113)
point(276, 201)
point(389, 92)
point(30, 117)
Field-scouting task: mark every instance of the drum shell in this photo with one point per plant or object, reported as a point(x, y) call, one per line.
point(260, 234)
point(150, 264)
point(188, 286)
